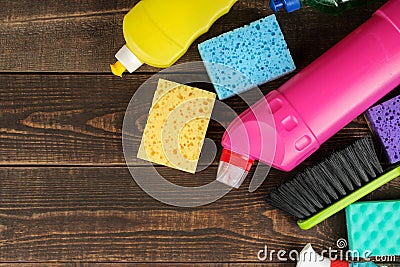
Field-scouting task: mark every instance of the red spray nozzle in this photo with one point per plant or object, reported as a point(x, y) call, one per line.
point(233, 168)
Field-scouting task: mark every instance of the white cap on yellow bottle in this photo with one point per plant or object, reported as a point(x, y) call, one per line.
point(126, 61)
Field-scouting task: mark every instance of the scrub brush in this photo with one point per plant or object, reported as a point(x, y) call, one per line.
point(338, 181)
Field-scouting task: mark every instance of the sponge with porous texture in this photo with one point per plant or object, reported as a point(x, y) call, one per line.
point(374, 226)
point(384, 121)
point(176, 126)
point(246, 57)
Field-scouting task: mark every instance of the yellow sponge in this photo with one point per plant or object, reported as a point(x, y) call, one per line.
point(176, 126)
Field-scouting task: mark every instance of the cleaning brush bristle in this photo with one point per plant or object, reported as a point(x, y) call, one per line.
point(334, 178)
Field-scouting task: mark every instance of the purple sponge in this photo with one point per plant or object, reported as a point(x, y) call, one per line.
point(384, 121)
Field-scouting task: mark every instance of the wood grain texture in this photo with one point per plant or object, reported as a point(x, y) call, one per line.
point(83, 36)
point(98, 264)
point(66, 197)
point(77, 119)
point(99, 214)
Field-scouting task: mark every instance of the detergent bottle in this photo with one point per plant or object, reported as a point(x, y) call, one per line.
point(159, 32)
point(333, 7)
point(289, 124)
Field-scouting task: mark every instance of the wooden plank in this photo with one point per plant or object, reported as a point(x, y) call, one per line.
point(45, 115)
point(77, 119)
point(98, 264)
point(25, 11)
point(83, 36)
point(100, 214)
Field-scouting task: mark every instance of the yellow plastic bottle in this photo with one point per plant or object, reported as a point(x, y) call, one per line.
point(159, 32)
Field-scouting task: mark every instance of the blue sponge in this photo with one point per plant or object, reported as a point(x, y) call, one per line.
point(374, 226)
point(243, 58)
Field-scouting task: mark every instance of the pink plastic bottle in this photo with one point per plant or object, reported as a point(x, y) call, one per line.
point(291, 123)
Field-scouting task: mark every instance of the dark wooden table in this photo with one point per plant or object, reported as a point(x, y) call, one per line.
point(66, 195)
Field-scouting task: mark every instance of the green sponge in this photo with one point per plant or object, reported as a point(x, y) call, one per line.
point(374, 226)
